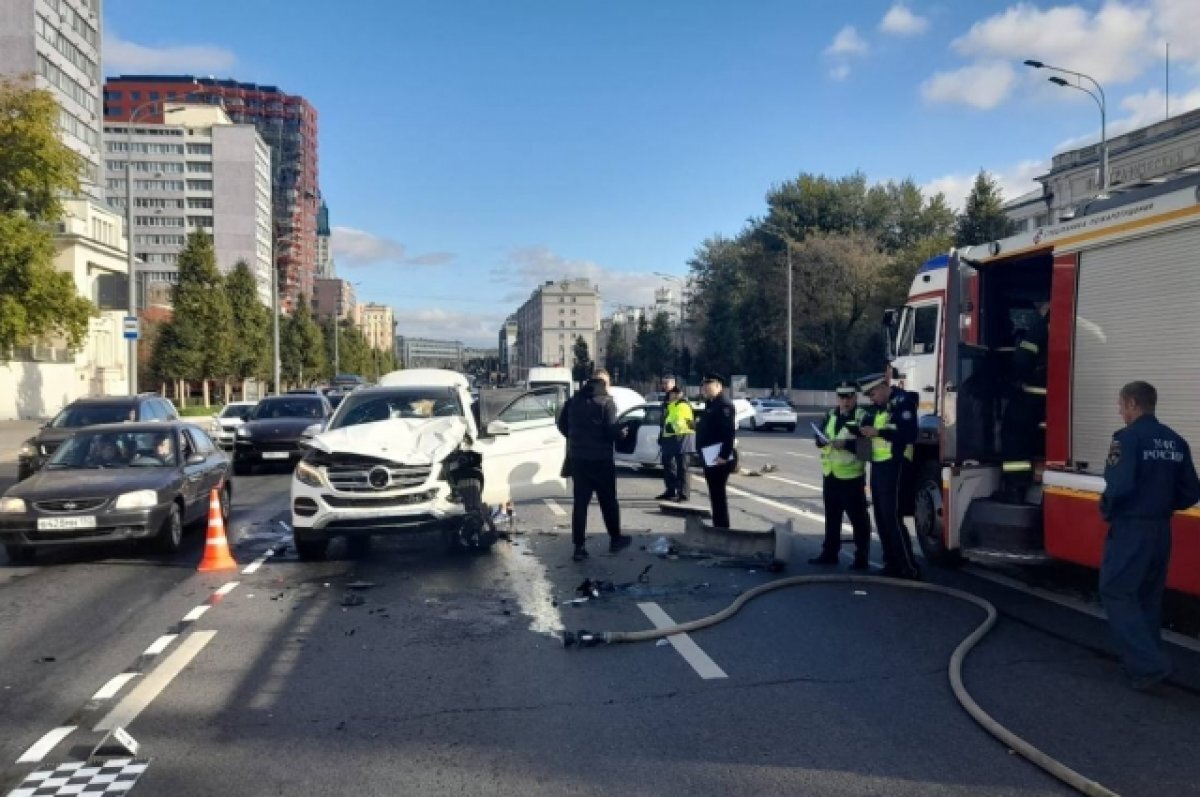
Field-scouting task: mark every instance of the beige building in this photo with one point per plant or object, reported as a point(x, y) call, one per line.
point(39, 380)
point(333, 297)
point(378, 325)
point(1135, 159)
point(549, 322)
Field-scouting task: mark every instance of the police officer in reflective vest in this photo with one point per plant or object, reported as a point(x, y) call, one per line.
point(892, 429)
point(1148, 477)
point(844, 487)
point(678, 440)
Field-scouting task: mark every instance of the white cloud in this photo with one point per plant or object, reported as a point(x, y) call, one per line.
point(1111, 45)
point(121, 56)
point(840, 72)
point(353, 247)
point(982, 85)
point(847, 42)
point(1178, 22)
point(1142, 109)
point(473, 329)
point(531, 266)
point(901, 21)
point(1014, 181)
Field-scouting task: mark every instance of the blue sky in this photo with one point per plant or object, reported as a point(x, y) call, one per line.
point(527, 140)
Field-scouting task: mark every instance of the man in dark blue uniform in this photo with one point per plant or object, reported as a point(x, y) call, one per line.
point(717, 427)
point(892, 428)
point(1149, 476)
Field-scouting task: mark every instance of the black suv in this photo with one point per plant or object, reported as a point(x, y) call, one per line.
point(89, 412)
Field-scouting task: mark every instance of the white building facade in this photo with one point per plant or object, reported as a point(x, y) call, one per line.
point(58, 43)
point(197, 171)
point(551, 320)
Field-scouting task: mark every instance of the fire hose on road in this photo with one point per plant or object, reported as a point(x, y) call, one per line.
point(1015, 743)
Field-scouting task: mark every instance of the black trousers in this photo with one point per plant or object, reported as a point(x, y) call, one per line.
point(893, 536)
point(716, 478)
point(848, 497)
point(597, 476)
point(674, 462)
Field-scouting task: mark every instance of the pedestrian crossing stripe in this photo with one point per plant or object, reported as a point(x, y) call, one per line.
point(110, 776)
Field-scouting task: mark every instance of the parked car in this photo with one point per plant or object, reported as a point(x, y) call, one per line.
point(772, 414)
point(275, 428)
point(83, 412)
point(639, 445)
point(226, 422)
point(414, 455)
point(115, 482)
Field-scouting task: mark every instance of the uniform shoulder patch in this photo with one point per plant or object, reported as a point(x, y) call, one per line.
point(906, 415)
point(1114, 453)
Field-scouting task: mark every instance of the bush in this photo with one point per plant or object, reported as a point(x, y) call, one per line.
point(196, 412)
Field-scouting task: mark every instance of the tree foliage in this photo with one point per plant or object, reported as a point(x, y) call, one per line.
point(582, 367)
point(302, 357)
point(616, 353)
point(201, 333)
point(251, 345)
point(983, 217)
point(36, 169)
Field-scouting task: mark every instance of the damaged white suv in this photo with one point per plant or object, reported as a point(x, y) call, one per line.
point(413, 454)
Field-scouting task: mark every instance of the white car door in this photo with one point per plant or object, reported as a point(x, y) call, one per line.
point(523, 451)
point(647, 450)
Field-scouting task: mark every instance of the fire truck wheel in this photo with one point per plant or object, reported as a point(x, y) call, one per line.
point(929, 521)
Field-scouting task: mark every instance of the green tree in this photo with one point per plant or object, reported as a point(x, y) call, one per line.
point(983, 218)
point(658, 349)
point(616, 357)
point(202, 332)
point(302, 346)
point(639, 366)
point(583, 365)
point(251, 345)
point(36, 169)
point(721, 284)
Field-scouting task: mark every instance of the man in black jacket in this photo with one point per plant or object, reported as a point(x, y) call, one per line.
point(589, 422)
point(717, 427)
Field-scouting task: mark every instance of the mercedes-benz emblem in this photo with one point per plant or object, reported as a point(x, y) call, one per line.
point(379, 477)
point(69, 505)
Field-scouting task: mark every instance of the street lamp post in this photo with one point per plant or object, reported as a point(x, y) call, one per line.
point(129, 253)
point(787, 242)
point(1098, 96)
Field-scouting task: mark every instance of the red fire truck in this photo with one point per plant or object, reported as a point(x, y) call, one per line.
point(1122, 279)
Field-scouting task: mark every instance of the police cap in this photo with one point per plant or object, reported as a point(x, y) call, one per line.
point(846, 388)
point(714, 378)
point(869, 383)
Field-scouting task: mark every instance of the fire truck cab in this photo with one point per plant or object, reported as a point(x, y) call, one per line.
point(1122, 283)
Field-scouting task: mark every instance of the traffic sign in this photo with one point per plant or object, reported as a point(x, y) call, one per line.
point(131, 327)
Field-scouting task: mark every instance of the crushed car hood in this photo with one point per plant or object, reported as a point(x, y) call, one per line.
point(416, 441)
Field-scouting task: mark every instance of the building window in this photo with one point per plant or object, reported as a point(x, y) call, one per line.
point(199, 203)
point(199, 185)
point(135, 95)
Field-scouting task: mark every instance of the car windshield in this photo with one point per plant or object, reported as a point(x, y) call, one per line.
point(288, 407)
point(115, 449)
point(237, 411)
point(774, 405)
point(79, 415)
point(413, 402)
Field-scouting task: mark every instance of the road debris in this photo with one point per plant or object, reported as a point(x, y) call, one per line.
point(353, 599)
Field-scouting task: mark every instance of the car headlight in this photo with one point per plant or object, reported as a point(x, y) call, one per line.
point(28, 449)
point(11, 505)
point(243, 432)
point(307, 474)
point(138, 499)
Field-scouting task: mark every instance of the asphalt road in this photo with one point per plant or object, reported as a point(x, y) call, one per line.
point(449, 679)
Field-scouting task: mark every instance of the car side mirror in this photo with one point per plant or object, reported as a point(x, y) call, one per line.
point(496, 428)
point(196, 459)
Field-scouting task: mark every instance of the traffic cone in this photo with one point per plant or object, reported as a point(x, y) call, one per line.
point(216, 546)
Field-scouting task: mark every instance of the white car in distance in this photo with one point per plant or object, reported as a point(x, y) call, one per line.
point(225, 423)
point(643, 422)
point(772, 414)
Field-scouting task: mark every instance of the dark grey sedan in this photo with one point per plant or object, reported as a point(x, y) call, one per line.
point(273, 432)
point(116, 482)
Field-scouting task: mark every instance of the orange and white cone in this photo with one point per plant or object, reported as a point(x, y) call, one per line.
point(216, 545)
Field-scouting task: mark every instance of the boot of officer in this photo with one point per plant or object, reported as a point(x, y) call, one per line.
point(843, 488)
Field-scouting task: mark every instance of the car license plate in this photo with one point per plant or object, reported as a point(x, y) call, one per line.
point(66, 523)
point(275, 455)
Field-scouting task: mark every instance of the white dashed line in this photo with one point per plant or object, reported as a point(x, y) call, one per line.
point(252, 568)
point(793, 483)
point(110, 689)
point(195, 614)
point(804, 513)
point(798, 454)
point(225, 589)
point(45, 744)
point(705, 667)
point(160, 644)
point(555, 508)
point(153, 684)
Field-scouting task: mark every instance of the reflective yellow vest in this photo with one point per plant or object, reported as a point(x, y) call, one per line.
point(841, 463)
point(680, 420)
point(881, 450)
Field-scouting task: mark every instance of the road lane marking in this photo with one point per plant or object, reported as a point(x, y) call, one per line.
point(798, 454)
point(160, 644)
point(795, 483)
point(196, 614)
point(153, 684)
point(225, 589)
point(45, 744)
point(110, 689)
point(555, 508)
point(252, 568)
point(804, 513)
point(705, 667)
